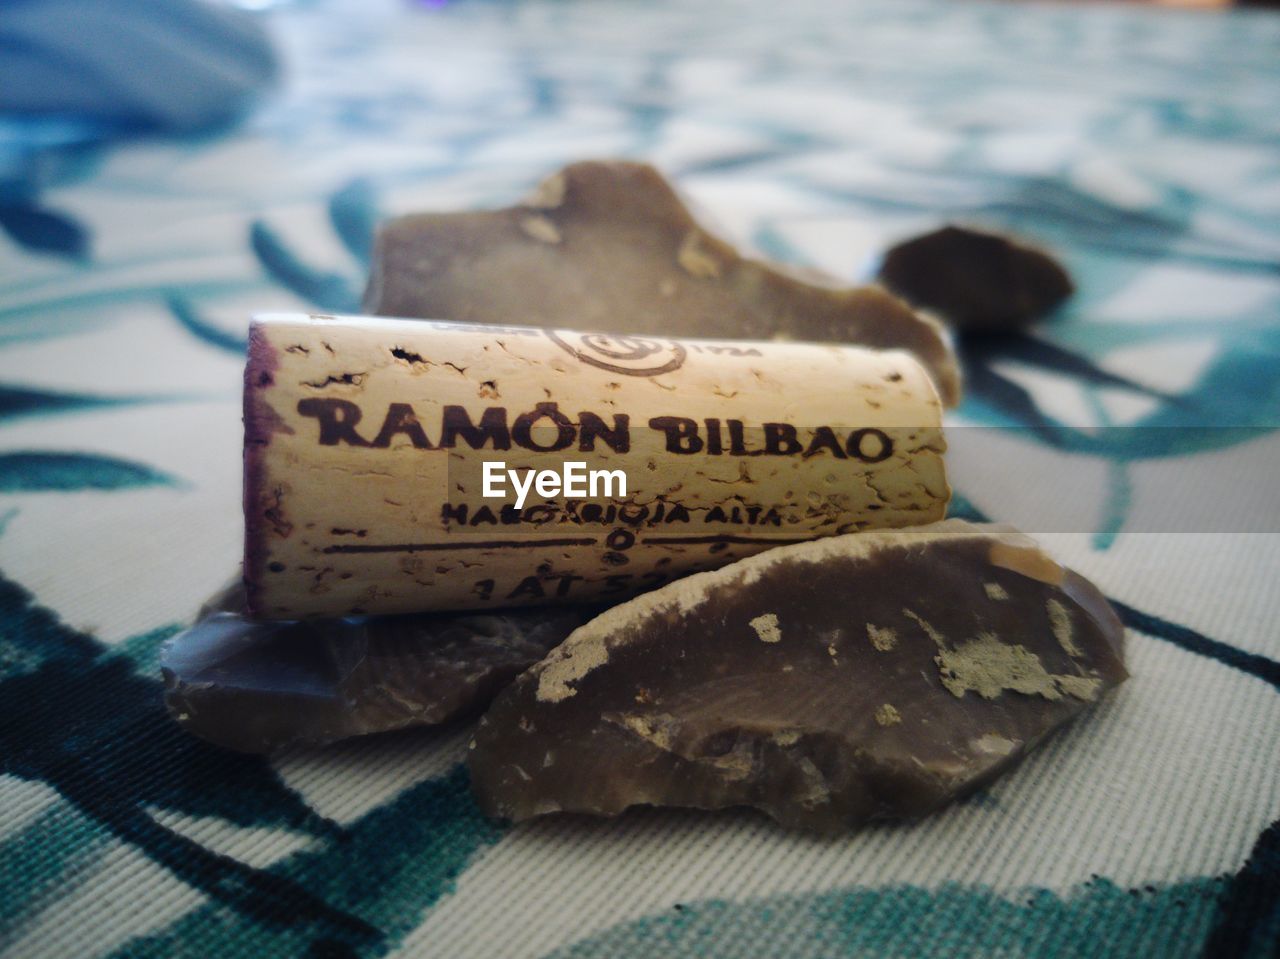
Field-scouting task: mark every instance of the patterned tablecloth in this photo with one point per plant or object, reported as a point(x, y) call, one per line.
point(1144, 146)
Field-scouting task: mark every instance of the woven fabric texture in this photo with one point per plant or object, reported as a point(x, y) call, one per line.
point(1142, 146)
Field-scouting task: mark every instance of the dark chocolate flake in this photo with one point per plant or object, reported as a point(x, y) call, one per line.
point(259, 687)
point(610, 246)
point(975, 280)
point(875, 675)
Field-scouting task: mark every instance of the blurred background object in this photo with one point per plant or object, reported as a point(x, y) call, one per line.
point(163, 65)
point(75, 74)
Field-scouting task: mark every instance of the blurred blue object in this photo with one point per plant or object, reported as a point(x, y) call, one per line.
point(141, 65)
point(75, 74)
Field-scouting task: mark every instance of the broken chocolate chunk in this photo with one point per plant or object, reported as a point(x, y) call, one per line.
point(609, 246)
point(259, 687)
point(873, 675)
point(977, 281)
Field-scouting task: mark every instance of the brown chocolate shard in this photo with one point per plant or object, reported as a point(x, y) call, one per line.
point(874, 675)
point(259, 687)
point(610, 246)
point(977, 281)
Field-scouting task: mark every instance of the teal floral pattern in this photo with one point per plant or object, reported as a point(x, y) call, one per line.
point(1140, 146)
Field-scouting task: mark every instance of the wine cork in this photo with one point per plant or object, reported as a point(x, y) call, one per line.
point(385, 460)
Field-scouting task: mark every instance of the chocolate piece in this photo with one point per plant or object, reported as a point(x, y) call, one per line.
point(879, 674)
point(610, 246)
point(259, 687)
point(977, 281)
point(371, 446)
